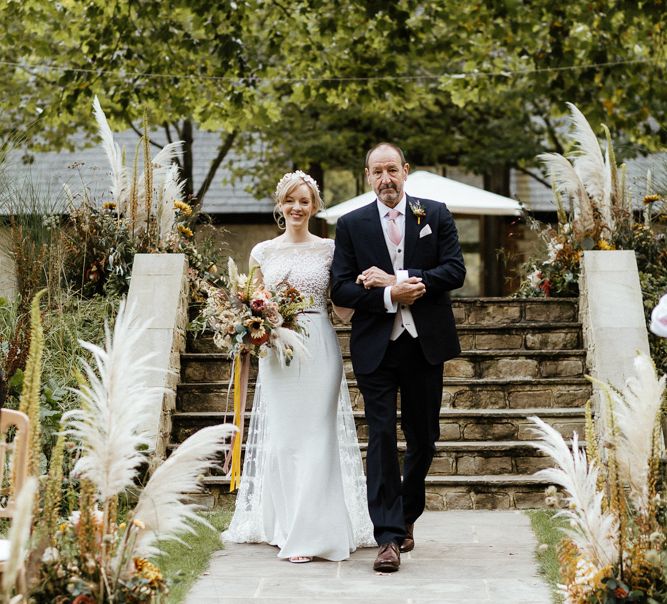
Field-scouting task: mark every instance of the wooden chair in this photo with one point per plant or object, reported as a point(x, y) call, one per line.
point(13, 471)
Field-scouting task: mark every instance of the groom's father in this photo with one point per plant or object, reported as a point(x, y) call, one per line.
point(396, 261)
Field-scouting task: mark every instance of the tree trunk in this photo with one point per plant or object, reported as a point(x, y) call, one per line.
point(496, 180)
point(224, 148)
point(316, 225)
point(360, 179)
point(317, 172)
point(186, 136)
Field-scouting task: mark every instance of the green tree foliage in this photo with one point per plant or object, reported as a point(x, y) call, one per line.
point(480, 84)
point(496, 76)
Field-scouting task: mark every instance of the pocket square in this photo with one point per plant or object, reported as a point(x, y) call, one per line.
point(425, 231)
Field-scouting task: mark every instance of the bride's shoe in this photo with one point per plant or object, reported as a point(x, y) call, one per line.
point(300, 559)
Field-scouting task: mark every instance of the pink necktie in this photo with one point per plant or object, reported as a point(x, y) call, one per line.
point(393, 231)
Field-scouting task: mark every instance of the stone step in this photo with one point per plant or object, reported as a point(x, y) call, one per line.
point(498, 393)
point(504, 311)
point(488, 492)
point(521, 357)
point(470, 458)
point(518, 336)
point(507, 310)
point(480, 364)
point(455, 424)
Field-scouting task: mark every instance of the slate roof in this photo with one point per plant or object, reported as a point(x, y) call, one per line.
point(50, 170)
point(89, 165)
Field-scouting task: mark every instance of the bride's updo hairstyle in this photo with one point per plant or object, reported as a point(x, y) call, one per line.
point(286, 185)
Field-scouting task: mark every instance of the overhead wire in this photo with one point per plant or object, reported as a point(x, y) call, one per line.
point(286, 79)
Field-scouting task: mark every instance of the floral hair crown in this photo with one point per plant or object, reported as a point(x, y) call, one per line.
point(294, 175)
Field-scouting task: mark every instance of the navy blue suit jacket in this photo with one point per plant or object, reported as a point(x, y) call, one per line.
point(436, 258)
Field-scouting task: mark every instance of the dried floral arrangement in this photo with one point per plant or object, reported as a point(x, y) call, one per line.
point(145, 213)
point(79, 550)
point(614, 495)
point(596, 210)
point(77, 241)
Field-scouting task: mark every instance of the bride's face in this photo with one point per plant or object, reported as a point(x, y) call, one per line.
point(298, 206)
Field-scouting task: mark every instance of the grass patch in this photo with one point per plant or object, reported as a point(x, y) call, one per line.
point(184, 563)
point(547, 532)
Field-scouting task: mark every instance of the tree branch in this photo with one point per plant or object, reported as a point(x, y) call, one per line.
point(553, 136)
point(282, 8)
point(533, 175)
point(140, 133)
point(215, 164)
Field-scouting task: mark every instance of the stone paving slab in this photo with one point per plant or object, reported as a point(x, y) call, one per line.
point(461, 557)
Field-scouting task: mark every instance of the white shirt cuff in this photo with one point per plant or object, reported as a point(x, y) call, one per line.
point(388, 304)
point(401, 276)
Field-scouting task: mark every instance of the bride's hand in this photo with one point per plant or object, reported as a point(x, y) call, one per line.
point(343, 313)
point(376, 277)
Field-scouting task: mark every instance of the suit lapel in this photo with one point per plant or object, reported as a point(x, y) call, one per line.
point(376, 238)
point(411, 232)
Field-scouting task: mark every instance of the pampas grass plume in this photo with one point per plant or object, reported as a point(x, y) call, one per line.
point(592, 529)
point(114, 155)
point(19, 533)
point(161, 510)
point(568, 182)
point(112, 424)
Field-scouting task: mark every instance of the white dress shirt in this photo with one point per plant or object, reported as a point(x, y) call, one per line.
point(403, 321)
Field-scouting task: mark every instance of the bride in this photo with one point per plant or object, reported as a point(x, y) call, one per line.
point(303, 487)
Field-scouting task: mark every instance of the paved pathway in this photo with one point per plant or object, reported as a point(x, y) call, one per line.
point(459, 558)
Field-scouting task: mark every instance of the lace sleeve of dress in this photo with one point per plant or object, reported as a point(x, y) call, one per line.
point(331, 246)
point(257, 254)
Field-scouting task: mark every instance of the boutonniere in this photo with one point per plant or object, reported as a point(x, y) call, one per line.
point(418, 210)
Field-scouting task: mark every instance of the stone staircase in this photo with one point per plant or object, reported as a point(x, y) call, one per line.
point(521, 357)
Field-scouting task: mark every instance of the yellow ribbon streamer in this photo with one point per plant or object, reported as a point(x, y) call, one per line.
point(241, 372)
point(236, 445)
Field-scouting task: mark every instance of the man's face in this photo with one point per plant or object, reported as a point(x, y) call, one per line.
point(386, 175)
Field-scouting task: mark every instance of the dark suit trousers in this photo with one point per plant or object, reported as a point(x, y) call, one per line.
point(403, 368)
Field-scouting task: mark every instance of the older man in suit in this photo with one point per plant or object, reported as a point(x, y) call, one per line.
point(396, 260)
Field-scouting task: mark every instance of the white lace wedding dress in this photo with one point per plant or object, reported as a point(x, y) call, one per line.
point(303, 487)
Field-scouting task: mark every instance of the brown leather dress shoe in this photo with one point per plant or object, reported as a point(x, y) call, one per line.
point(409, 542)
point(388, 559)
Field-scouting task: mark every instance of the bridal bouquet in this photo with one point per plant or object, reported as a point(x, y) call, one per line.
point(248, 318)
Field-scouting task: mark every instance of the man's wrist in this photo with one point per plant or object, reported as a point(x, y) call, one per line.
point(389, 304)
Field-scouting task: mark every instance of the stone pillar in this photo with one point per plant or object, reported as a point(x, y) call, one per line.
point(159, 296)
point(612, 315)
point(8, 289)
